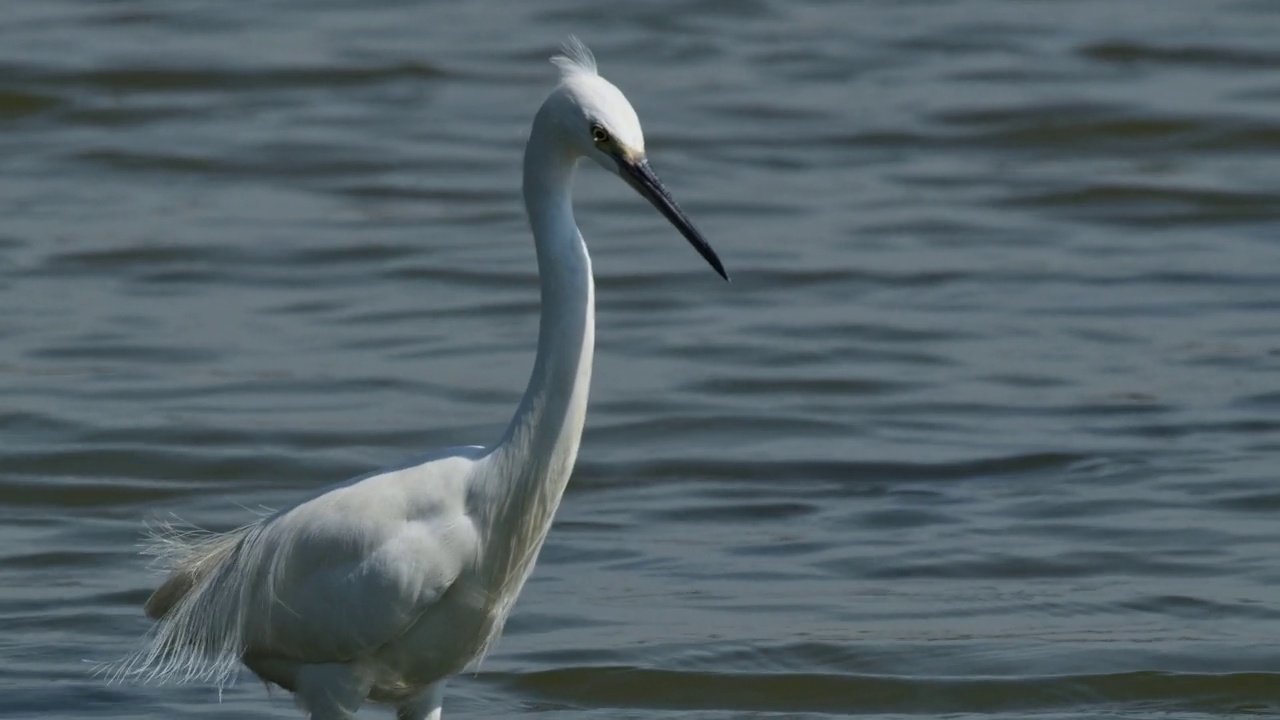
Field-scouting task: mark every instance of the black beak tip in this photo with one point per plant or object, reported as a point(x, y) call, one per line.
point(640, 176)
point(709, 255)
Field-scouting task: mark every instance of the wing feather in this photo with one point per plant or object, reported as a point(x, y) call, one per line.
point(325, 581)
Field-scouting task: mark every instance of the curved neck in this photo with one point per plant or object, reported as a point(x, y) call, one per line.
point(536, 454)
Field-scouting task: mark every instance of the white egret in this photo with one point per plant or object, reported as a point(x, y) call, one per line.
point(383, 587)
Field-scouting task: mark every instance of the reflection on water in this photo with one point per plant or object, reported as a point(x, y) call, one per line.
point(986, 424)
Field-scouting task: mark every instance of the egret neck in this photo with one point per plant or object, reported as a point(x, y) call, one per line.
point(533, 460)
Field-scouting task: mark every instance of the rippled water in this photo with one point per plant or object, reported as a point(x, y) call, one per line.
point(987, 425)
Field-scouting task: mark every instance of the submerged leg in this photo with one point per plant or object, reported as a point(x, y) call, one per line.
point(424, 707)
point(331, 691)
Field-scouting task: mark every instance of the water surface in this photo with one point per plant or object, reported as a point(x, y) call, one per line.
point(987, 424)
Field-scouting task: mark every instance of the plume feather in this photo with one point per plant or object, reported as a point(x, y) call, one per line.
point(575, 58)
point(203, 609)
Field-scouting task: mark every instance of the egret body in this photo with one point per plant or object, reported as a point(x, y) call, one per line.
point(383, 587)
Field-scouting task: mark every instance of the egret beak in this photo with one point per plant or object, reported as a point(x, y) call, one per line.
point(639, 175)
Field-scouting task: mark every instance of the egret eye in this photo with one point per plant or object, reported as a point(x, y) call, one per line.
point(599, 134)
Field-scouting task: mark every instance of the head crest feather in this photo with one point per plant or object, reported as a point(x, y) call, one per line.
point(575, 58)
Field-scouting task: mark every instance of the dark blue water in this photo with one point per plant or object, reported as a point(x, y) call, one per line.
point(988, 424)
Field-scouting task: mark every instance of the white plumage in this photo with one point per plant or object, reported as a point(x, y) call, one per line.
point(383, 587)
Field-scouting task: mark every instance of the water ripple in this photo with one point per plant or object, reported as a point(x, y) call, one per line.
point(985, 425)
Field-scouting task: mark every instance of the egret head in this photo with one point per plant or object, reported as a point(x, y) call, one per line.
point(595, 120)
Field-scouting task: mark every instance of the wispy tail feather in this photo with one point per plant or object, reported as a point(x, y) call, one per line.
point(188, 554)
point(200, 608)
